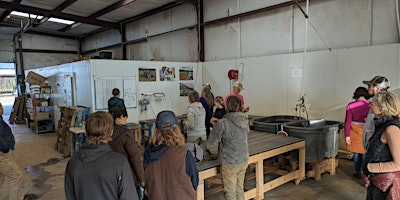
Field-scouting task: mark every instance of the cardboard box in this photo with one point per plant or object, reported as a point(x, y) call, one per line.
point(35, 79)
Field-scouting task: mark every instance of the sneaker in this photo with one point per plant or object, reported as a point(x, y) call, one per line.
point(357, 175)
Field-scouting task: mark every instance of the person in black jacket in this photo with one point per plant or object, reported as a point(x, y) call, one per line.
point(220, 107)
point(12, 182)
point(115, 101)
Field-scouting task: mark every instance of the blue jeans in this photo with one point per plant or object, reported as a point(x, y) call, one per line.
point(358, 159)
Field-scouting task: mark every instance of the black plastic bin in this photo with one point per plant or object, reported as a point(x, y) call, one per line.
point(322, 138)
point(272, 124)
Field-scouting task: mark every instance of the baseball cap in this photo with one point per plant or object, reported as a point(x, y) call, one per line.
point(379, 81)
point(166, 120)
point(238, 85)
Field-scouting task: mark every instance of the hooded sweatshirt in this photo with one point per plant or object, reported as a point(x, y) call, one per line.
point(231, 133)
point(96, 172)
point(195, 120)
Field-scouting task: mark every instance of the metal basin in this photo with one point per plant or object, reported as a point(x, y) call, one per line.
point(322, 137)
point(272, 124)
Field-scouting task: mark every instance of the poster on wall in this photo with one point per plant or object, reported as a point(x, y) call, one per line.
point(184, 88)
point(147, 74)
point(167, 73)
point(186, 73)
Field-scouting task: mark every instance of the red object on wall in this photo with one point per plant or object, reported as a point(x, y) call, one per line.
point(233, 74)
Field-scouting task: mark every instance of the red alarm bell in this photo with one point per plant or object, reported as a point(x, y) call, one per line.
point(233, 74)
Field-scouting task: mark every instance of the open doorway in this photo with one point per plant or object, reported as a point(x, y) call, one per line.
point(8, 87)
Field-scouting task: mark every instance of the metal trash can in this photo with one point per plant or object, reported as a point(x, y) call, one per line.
point(322, 137)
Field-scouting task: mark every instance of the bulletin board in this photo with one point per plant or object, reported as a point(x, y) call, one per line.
point(103, 87)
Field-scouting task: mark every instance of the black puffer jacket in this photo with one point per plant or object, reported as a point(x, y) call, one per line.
point(7, 141)
point(116, 102)
point(378, 151)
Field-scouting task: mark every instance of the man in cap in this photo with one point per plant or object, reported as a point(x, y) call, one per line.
point(376, 85)
point(237, 87)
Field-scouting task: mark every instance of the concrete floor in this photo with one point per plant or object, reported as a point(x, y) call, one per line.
point(44, 169)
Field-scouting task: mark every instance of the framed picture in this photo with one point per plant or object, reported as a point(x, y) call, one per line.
point(186, 73)
point(167, 73)
point(147, 74)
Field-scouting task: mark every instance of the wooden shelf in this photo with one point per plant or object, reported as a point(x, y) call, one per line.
point(41, 116)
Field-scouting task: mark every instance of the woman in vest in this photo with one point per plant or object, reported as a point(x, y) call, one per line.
point(381, 165)
point(169, 167)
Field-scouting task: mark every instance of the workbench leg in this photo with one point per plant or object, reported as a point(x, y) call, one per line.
point(259, 180)
point(200, 190)
point(333, 166)
point(302, 165)
point(318, 171)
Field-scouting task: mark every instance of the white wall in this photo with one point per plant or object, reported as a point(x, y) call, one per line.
point(102, 39)
point(82, 74)
point(180, 45)
point(176, 46)
point(85, 72)
point(343, 24)
point(171, 101)
point(40, 42)
point(6, 51)
point(38, 60)
point(328, 79)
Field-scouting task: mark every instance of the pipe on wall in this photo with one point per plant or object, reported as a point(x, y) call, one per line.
point(253, 12)
point(397, 17)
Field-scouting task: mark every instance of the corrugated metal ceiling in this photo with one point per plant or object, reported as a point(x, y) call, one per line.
point(89, 15)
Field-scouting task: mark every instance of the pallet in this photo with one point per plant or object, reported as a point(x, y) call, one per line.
point(14, 110)
point(18, 110)
point(67, 120)
point(21, 108)
point(318, 168)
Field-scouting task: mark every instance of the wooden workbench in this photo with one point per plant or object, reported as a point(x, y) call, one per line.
point(261, 146)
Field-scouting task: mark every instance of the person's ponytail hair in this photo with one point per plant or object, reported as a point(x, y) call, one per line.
point(233, 104)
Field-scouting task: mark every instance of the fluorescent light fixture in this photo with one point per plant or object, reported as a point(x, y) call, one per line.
point(26, 15)
point(62, 21)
